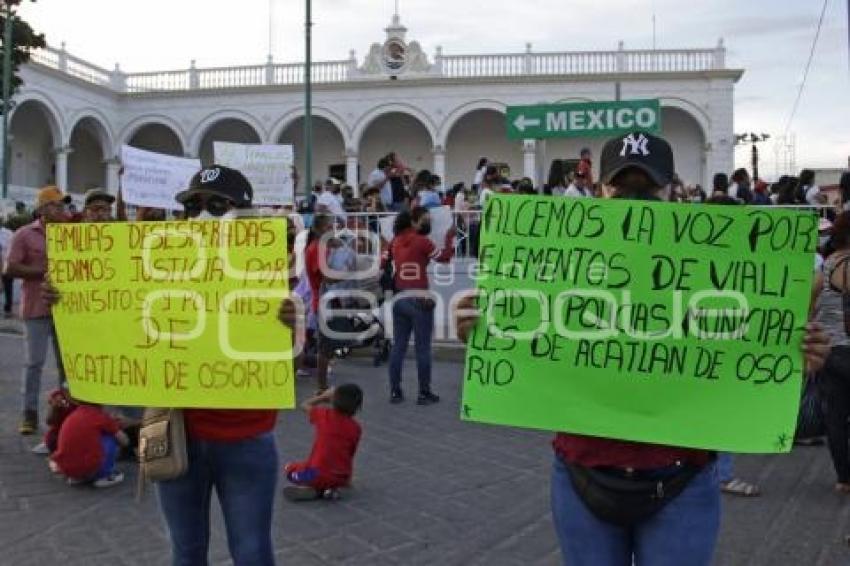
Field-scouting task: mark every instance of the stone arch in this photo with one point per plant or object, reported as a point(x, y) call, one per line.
point(699, 115)
point(455, 115)
point(317, 112)
point(50, 109)
point(168, 125)
point(36, 134)
point(216, 118)
point(687, 136)
point(398, 131)
point(480, 131)
point(329, 148)
point(90, 144)
point(94, 119)
point(397, 108)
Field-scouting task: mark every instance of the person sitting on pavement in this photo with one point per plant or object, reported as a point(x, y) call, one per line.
point(330, 464)
point(87, 447)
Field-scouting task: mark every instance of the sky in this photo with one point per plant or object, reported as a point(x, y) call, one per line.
point(769, 39)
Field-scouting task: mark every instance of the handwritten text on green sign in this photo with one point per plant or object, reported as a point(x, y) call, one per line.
point(652, 322)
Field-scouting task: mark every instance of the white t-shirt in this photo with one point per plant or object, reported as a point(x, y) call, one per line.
point(479, 176)
point(332, 202)
point(575, 192)
point(484, 195)
point(5, 244)
point(378, 178)
point(558, 191)
point(812, 194)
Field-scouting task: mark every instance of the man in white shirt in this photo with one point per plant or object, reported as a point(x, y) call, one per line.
point(380, 179)
point(330, 201)
point(578, 188)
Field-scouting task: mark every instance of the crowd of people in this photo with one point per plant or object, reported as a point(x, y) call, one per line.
point(234, 451)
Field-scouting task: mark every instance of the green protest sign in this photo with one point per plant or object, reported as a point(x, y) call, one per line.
point(652, 322)
point(583, 119)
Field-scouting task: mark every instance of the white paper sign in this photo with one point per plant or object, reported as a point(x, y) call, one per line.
point(267, 167)
point(152, 179)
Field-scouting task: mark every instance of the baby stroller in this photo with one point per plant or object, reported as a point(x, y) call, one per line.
point(363, 324)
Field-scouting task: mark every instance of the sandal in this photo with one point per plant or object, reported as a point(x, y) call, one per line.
point(740, 488)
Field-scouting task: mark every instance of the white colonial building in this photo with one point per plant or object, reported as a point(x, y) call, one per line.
point(441, 113)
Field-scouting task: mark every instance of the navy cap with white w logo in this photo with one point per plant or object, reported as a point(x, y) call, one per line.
point(222, 181)
point(650, 154)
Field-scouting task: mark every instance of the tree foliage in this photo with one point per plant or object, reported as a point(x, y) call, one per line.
point(24, 41)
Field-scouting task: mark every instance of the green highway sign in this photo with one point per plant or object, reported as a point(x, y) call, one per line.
point(583, 119)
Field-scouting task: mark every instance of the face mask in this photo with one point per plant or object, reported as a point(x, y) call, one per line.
point(425, 228)
point(205, 215)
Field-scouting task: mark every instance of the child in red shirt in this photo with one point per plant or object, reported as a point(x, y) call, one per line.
point(88, 446)
point(61, 406)
point(330, 463)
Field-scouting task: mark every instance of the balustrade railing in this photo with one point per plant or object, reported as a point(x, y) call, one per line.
point(451, 66)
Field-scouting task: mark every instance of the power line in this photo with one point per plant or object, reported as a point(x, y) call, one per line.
point(808, 65)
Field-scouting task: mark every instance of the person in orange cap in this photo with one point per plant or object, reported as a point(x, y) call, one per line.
point(28, 261)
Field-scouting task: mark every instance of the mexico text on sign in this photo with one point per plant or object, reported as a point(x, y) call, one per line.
point(652, 322)
point(584, 119)
point(173, 314)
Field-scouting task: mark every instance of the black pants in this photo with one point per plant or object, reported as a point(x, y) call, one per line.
point(8, 289)
point(834, 381)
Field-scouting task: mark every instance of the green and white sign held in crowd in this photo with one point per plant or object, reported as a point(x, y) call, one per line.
point(644, 321)
point(583, 119)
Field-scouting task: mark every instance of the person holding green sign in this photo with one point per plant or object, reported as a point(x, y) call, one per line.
point(616, 502)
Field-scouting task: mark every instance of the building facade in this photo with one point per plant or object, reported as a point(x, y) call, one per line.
point(441, 113)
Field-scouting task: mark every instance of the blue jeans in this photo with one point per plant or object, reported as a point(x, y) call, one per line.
point(684, 531)
point(725, 467)
point(409, 317)
point(110, 453)
point(244, 475)
point(38, 332)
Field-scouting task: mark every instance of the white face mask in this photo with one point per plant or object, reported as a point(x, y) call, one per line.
point(205, 215)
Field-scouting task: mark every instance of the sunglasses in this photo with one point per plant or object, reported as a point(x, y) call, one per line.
point(215, 205)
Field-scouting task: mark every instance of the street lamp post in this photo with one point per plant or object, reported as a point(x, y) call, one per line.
point(308, 108)
point(7, 93)
point(754, 139)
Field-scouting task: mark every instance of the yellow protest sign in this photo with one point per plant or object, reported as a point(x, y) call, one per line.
point(173, 314)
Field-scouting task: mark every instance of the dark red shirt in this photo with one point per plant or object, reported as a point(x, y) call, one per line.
point(228, 425)
point(80, 453)
point(593, 452)
point(314, 272)
point(411, 253)
point(337, 437)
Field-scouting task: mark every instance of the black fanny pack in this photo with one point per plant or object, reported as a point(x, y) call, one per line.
point(625, 500)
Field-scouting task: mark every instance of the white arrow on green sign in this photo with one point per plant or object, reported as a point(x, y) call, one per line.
point(583, 119)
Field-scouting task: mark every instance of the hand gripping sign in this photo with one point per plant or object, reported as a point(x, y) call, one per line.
point(174, 314)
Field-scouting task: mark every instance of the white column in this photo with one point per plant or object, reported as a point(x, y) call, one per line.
point(112, 178)
point(62, 168)
point(529, 160)
point(351, 171)
point(440, 164)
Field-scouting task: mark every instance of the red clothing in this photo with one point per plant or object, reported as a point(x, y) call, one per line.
point(412, 252)
point(314, 272)
point(593, 452)
point(80, 454)
point(337, 437)
point(228, 425)
point(586, 167)
point(29, 247)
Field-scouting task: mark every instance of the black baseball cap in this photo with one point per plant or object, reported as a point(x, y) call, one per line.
point(221, 181)
point(650, 154)
point(93, 195)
